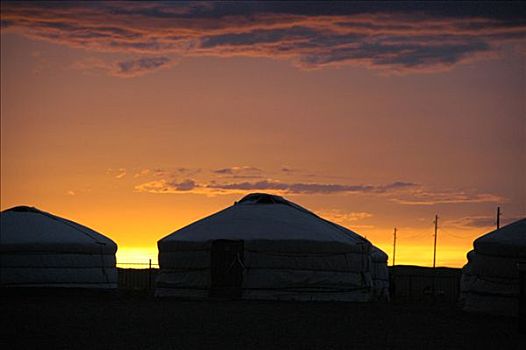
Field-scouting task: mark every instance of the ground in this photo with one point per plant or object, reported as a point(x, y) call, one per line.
point(137, 321)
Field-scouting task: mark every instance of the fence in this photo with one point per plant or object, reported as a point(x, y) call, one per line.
point(406, 282)
point(137, 276)
point(421, 283)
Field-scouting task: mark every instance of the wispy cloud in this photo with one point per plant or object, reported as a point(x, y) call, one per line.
point(309, 188)
point(231, 180)
point(345, 218)
point(166, 186)
point(391, 37)
point(426, 197)
point(213, 187)
point(117, 173)
point(141, 173)
point(477, 222)
point(237, 170)
point(126, 68)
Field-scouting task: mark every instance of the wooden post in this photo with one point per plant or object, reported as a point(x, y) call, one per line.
point(434, 256)
point(435, 244)
point(392, 275)
point(394, 246)
point(498, 217)
point(150, 274)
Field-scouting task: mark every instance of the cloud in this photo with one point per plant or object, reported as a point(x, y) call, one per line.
point(288, 170)
point(427, 197)
point(186, 185)
point(140, 66)
point(117, 173)
point(71, 193)
point(125, 68)
point(237, 170)
point(390, 37)
point(143, 172)
point(476, 222)
point(223, 181)
point(164, 186)
point(342, 217)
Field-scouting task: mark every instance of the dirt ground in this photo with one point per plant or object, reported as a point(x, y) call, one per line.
point(142, 322)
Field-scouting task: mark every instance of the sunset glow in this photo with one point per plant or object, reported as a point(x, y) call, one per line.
point(136, 119)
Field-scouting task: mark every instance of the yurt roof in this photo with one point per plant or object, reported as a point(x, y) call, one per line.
point(509, 240)
point(261, 216)
point(30, 229)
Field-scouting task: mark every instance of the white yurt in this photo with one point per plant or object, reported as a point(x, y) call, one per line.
point(38, 249)
point(490, 279)
point(265, 247)
point(379, 273)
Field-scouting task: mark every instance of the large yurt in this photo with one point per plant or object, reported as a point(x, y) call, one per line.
point(38, 249)
point(490, 279)
point(266, 247)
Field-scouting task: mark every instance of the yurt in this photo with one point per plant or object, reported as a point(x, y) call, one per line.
point(380, 274)
point(490, 279)
point(38, 249)
point(379, 271)
point(266, 247)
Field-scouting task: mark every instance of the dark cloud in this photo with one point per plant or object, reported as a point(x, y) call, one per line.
point(308, 188)
point(5, 23)
point(259, 36)
point(126, 68)
point(223, 171)
point(142, 65)
point(397, 185)
point(163, 186)
point(390, 36)
point(237, 170)
point(183, 186)
point(402, 192)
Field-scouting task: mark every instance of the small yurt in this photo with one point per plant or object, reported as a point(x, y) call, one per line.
point(490, 279)
point(266, 247)
point(38, 249)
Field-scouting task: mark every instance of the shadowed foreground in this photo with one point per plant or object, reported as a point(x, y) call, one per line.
point(139, 322)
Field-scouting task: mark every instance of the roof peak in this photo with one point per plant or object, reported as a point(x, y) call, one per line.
point(263, 198)
point(24, 209)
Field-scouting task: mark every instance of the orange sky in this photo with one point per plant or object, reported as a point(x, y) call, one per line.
point(139, 137)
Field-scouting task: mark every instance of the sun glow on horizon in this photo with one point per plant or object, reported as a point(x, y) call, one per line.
point(137, 128)
point(137, 257)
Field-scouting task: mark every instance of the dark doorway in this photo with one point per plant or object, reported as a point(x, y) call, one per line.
point(226, 258)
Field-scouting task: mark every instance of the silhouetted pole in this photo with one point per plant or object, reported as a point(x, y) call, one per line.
point(498, 217)
point(394, 246)
point(435, 255)
point(150, 274)
point(435, 244)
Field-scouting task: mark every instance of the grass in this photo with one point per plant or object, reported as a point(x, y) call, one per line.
point(135, 321)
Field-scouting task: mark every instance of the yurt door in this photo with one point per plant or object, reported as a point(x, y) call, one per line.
point(226, 268)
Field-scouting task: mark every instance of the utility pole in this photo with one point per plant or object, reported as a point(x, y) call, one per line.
point(394, 246)
point(435, 244)
point(498, 217)
point(435, 256)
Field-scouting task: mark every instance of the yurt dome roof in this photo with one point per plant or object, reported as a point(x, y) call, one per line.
point(261, 217)
point(28, 228)
point(508, 240)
